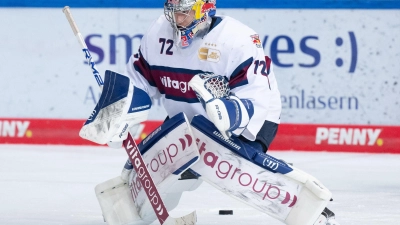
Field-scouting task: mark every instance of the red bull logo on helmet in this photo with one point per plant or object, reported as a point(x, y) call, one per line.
point(256, 40)
point(207, 7)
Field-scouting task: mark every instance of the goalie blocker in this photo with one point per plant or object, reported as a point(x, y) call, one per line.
point(235, 168)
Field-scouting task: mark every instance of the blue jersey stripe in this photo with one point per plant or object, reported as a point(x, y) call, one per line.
point(239, 76)
point(273, 4)
point(182, 99)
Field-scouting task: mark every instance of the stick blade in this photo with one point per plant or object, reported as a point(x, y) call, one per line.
point(189, 219)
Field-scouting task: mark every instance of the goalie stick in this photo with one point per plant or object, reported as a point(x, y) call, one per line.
point(133, 151)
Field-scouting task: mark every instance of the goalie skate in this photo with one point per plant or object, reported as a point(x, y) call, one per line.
point(327, 217)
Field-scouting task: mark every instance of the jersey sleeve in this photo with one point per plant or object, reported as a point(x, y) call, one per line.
point(252, 77)
point(138, 69)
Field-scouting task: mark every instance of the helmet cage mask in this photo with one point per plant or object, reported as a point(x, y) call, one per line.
point(201, 20)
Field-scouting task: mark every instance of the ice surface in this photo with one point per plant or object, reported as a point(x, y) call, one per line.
point(46, 185)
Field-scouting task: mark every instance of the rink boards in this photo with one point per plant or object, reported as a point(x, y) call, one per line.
point(309, 137)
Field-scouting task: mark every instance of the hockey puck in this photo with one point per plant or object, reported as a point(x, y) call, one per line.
point(225, 212)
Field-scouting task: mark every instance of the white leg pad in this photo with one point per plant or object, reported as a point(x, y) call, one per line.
point(170, 190)
point(307, 209)
point(116, 203)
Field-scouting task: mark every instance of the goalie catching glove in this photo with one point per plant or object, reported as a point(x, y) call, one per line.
point(121, 107)
point(228, 113)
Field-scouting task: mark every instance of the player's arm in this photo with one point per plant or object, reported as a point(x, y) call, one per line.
point(253, 78)
point(254, 96)
point(229, 113)
point(138, 70)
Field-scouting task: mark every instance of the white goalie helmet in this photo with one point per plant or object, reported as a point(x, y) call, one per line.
point(189, 18)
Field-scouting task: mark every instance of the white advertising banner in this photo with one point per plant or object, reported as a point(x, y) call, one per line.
point(332, 66)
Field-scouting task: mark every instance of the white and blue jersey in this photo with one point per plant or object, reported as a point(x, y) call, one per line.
point(230, 49)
